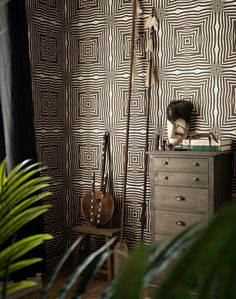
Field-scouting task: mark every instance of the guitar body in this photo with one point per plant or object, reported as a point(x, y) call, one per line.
point(97, 207)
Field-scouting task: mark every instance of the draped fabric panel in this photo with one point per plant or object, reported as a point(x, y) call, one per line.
point(15, 84)
point(17, 137)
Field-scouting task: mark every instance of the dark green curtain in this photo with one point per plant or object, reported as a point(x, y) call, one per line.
point(15, 85)
point(17, 137)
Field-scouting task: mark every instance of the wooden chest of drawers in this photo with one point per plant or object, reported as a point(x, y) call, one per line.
point(185, 188)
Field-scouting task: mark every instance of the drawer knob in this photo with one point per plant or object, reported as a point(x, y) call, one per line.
point(180, 198)
point(165, 163)
point(165, 177)
point(180, 223)
point(196, 164)
point(196, 179)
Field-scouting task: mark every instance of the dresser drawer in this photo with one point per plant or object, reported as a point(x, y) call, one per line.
point(163, 239)
point(172, 223)
point(181, 164)
point(179, 198)
point(181, 179)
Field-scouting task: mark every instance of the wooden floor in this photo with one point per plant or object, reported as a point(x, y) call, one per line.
point(94, 289)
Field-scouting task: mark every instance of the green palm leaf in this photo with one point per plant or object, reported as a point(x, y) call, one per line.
point(15, 175)
point(20, 192)
point(19, 265)
point(2, 177)
point(23, 205)
point(22, 177)
point(129, 284)
point(11, 199)
point(227, 279)
point(19, 181)
point(3, 2)
point(14, 287)
point(160, 259)
point(95, 256)
point(204, 260)
point(21, 247)
point(53, 277)
point(20, 220)
point(89, 273)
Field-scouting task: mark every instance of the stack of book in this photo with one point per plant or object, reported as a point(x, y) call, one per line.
point(202, 144)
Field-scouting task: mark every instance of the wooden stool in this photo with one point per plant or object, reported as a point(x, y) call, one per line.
point(108, 233)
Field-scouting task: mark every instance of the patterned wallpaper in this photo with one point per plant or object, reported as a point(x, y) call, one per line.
point(80, 52)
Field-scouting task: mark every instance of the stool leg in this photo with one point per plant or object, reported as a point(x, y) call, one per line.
point(109, 263)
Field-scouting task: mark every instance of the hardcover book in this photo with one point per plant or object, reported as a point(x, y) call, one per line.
point(213, 148)
point(205, 141)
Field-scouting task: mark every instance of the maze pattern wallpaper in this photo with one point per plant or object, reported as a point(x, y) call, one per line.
point(80, 53)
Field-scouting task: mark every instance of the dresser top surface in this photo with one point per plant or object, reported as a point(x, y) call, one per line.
point(187, 153)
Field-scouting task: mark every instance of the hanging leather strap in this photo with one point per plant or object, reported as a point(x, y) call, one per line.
point(104, 156)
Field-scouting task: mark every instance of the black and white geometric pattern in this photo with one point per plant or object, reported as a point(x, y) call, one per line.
point(80, 53)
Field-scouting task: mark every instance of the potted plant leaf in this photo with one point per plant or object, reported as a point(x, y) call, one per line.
point(21, 192)
point(204, 265)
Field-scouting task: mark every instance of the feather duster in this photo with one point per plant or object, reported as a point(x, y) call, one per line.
point(148, 22)
point(138, 9)
point(151, 22)
point(149, 47)
point(155, 23)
